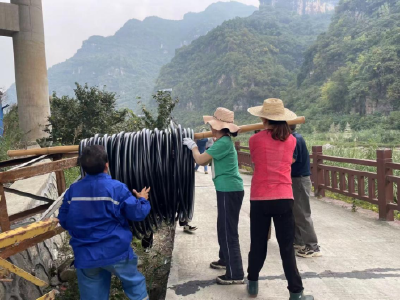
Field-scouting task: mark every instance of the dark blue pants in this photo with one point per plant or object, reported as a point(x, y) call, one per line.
point(229, 205)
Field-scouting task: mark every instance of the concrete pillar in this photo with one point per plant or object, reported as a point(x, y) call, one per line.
point(31, 70)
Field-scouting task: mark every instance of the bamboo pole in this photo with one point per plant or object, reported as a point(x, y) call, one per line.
point(43, 151)
point(247, 128)
point(197, 136)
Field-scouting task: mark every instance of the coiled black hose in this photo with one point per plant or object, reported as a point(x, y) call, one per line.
point(157, 159)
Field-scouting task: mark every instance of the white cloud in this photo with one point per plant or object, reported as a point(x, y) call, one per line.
point(69, 22)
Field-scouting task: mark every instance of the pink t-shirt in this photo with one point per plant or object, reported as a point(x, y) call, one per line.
point(272, 166)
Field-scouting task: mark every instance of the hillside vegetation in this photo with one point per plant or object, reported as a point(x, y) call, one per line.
point(352, 72)
point(243, 61)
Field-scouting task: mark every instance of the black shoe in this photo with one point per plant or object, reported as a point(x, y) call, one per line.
point(218, 265)
point(307, 252)
point(223, 280)
point(189, 229)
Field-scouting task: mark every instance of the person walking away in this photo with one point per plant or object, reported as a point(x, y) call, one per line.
point(229, 186)
point(96, 212)
point(273, 152)
point(305, 238)
point(201, 145)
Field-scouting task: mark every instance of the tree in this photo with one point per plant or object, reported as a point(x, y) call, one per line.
point(93, 111)
point(90, 112)
point(166, 105)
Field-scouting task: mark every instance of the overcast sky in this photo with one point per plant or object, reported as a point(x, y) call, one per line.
point(69, 22)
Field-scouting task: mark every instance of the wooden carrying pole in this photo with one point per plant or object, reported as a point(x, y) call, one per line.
point(247, 128)
point(197, 136)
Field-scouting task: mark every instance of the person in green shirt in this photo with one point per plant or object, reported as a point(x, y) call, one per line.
point(229, 186)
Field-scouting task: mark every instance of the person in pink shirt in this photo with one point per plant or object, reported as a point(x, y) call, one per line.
point(273, 152)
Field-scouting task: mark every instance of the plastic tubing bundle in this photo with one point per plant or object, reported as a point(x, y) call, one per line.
point(156, 159)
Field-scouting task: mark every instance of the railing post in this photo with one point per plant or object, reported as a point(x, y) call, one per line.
point(385, 188)
point(4, 219)
point(237, 147)
point(318, 173)
point(60, 177)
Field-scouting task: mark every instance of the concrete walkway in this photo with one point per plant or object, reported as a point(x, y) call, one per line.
point(361, 256)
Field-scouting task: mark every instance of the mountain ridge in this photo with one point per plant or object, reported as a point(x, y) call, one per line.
point(129, 61)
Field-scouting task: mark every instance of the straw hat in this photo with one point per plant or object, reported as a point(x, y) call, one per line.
point(272, 109)
point(223, 118)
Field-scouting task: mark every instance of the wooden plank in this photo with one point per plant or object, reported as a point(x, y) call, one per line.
point(327, 178)
point(351, 184)
point(371, 188)
point(393, 206)
point(12, 250)
point(349, 171)
point(398, 197)
point(361, 186)
point(4, 220)
point(392, 178)
point(21, 273)
point(392, 165)
point(11, 176)
point(334, 180)
point(364, 198)
point(28, 213)
point(354, 161)
point(342, 181)
point(60, 177)
point(70, 154)
point(23, 233)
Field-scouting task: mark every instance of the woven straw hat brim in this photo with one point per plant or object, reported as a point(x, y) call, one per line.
point(258, 111)
point(219, 125)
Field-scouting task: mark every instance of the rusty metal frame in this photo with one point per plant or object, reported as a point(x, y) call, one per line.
point(21, 238)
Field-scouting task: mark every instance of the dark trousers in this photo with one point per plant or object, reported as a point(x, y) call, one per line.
point(229, 205)
point(261, 213)
point(304, 232)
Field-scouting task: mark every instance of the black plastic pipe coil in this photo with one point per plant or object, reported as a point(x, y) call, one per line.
point(157, 159)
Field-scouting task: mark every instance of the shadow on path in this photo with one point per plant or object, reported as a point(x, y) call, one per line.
point(191, 287)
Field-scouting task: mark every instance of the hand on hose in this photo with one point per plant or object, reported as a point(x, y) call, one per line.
point(143, 194)
point(189, 143)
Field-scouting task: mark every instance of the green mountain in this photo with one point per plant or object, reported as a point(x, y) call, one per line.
point(243, 61)
point(354, 68)
point(129, 61)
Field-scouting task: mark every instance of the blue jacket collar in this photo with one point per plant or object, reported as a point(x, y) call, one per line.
point(97, 176)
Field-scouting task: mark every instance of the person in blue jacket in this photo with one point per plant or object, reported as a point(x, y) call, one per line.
point(201, 145)
point(96, 212)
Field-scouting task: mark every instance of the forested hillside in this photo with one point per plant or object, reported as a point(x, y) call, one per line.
point(129, 61)
point(243, 61)
point(354, 68)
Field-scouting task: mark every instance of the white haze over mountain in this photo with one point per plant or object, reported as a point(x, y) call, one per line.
point(69, 22)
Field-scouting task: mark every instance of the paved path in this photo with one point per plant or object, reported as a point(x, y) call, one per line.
point(361, 256)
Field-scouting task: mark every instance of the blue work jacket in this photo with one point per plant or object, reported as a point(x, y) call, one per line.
point(96, 211)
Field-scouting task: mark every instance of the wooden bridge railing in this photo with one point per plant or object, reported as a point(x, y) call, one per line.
point(380, 187)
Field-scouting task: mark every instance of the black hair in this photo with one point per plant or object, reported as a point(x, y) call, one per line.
point(227, 132)
point(93, 159)
point(292, 127)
